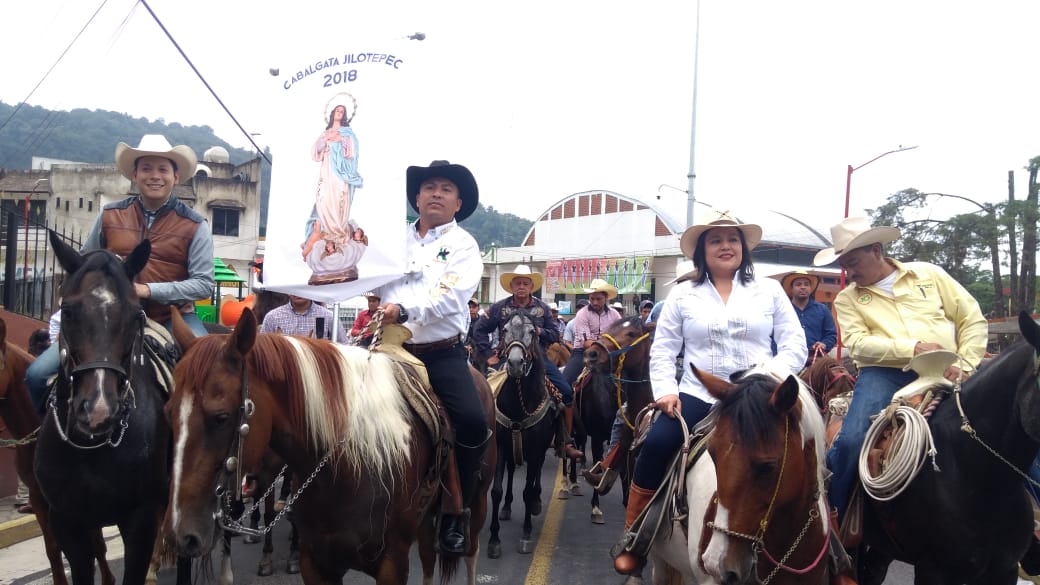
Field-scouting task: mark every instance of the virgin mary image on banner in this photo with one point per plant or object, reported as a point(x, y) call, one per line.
point(333, 242)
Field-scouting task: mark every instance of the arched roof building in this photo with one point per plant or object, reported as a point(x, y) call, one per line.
point(634, 244)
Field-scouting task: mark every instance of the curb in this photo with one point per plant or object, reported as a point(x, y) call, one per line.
point(19, 529)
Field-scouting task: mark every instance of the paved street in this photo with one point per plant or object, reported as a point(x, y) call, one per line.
point(570, 550)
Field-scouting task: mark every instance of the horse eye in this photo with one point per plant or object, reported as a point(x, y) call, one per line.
point(220, 419)
point(763, 469)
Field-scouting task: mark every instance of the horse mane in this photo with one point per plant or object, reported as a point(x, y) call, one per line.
point(748, 407)
point(346, 399)
point(100, 261)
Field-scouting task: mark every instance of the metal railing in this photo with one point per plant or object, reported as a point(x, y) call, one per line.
point(31, 273)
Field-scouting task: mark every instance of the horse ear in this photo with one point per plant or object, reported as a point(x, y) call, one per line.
point(716, 386)
point(785, 396)
point(183, 334)
point(135, 262)
point(244, 335)
point(69, 258)
point(1030, 330)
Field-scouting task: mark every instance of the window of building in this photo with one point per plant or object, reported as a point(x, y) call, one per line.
point(66, 206)
point(81, 203)
point(90, 206)
point(225, 222)
point(57, 203)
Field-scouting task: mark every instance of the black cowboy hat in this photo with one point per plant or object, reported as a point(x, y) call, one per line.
point(457, 174)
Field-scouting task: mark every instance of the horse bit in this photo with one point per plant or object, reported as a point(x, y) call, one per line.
point(127, 403)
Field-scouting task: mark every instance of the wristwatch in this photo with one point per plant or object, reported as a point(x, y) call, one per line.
point(402, 313)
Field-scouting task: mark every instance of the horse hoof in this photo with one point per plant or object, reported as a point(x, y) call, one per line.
point(525, 546)
point(250, 539)
point(505, 515)
point(633, 580)
point(495, 550)
point(536, 507)
point(265, 569)
point(564, 494)
point(292, 566)
point(597, 517)
point(575, 489)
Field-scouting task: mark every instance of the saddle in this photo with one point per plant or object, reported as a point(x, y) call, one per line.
point(919, 395)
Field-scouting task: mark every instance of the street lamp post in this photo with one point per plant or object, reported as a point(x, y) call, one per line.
point(690, 199)
point(848, 192)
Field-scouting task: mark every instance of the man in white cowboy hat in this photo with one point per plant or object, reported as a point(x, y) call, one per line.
point(816, 319)
point(590, 323)
point(560, 323)
point(522, 282)
point(890, 312)
point(180, 268)
point(444, 269)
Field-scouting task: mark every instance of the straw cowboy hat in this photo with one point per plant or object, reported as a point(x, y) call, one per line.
point(156, 145)
point(600, 285)
point(852, 233)
point(684, 271)
point(442, 169)
point(788, 281)
point(506, 280)
point(688, 241)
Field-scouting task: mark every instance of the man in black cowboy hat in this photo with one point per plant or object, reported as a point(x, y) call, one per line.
point(444, 270)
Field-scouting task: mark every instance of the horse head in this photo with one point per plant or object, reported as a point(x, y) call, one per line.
point(101, 340)
point(827, 378)
point(626, 341)
point(520, 345)
point(218, 432)
point(767, 447)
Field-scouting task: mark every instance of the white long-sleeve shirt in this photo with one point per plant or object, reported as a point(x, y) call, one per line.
point(723, 338)
point(444, 270)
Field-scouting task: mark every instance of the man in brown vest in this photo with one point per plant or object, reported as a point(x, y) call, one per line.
point(180, 268)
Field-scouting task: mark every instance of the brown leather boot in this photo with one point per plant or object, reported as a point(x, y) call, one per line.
point(569, 450)
point(627, 563)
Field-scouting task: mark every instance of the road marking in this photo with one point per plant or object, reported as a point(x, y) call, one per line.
point(541, 562)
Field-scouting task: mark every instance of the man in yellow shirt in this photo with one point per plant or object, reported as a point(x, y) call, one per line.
point(889, 313)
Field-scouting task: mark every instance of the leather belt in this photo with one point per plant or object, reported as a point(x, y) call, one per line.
point(421, 348)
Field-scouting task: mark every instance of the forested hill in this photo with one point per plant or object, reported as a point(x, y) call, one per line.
point(90, 136)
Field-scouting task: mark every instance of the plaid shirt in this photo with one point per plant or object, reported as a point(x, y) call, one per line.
point(290, 322)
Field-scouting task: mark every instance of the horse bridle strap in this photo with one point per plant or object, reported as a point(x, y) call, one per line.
point(618, 380)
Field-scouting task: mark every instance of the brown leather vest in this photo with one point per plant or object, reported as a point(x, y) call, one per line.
point(123, 227)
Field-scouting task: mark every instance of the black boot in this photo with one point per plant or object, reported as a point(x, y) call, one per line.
point(455, 528)
point(1031, 560)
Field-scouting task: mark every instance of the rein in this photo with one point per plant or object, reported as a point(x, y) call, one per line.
point(970, 430)
point(758, 539)
point(621, 353)
point(126, 404)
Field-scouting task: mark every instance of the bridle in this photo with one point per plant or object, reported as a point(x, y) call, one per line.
point(757, 540)
point(69, 369)
point(620, 352)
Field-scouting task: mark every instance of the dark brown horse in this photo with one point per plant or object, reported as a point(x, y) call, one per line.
point(340, 417)
point(17, 412)
point(829, 379)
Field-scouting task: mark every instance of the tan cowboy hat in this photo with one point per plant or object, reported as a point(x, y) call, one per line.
point(600, 285)
point(788, 281)
point(852, 233)
point(684, 271)
point(688, 241)
point(521, 270)
point(156, 145)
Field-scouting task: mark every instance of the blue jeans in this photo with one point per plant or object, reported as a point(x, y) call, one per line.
point(47, 363)
point(872, 393)
point(663, 441)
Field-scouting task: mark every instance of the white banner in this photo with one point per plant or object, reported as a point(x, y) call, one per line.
point(336, 217)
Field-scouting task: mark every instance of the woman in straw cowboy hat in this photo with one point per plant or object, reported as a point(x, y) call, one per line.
point(722, 318)
point(180, 268)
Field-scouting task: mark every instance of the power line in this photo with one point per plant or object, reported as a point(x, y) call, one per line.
point(248, 136)
point(60, 57)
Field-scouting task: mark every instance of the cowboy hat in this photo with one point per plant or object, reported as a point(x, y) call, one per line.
point(506, 280)
point(442, 169)
point(788, 281)
point(600, 285)
point(684, 271)
point(183, 157)
point(688, 241)
point(852, 233)
point(617, 305)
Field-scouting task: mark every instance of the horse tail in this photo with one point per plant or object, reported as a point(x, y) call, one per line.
point(449, 565)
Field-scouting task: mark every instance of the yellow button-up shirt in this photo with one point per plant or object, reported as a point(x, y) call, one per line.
point(929, 306)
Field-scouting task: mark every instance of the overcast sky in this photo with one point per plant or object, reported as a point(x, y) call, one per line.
point(544, 99)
